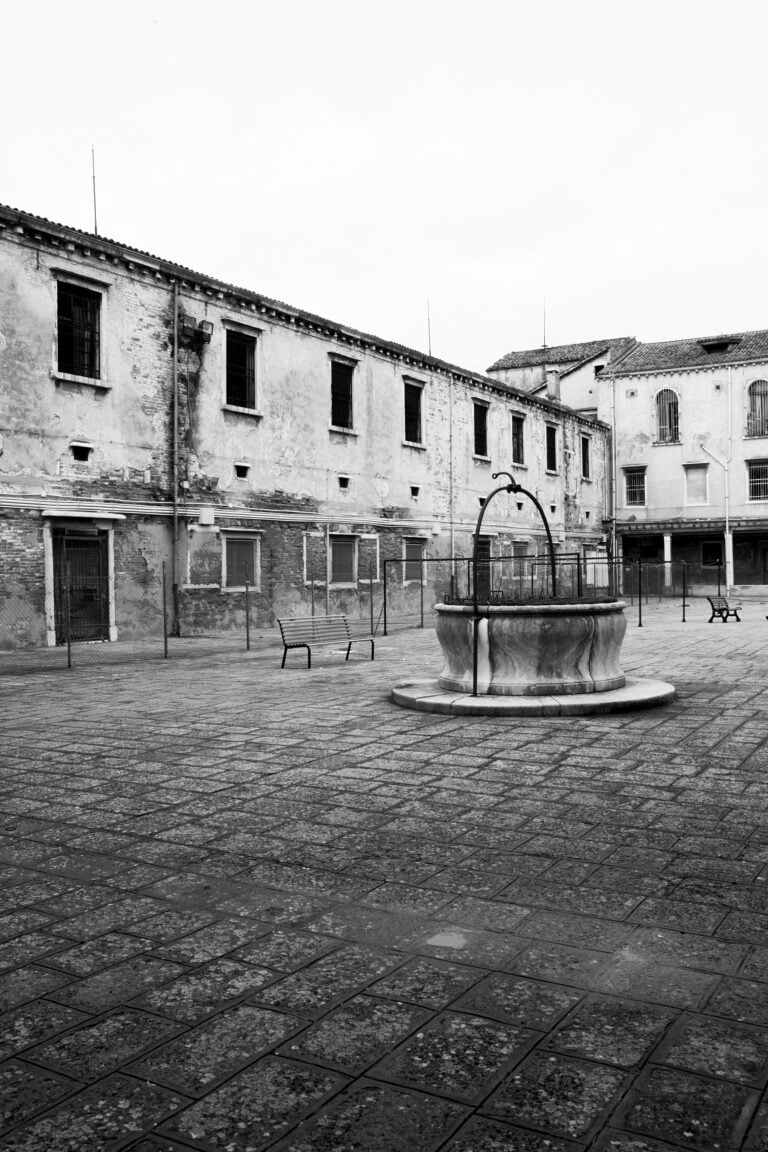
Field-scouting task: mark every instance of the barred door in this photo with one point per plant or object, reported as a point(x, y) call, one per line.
point(84, 559)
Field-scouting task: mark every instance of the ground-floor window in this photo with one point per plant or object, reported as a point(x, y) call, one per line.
point(413, 555)
point(343, 559)
point(240, 561)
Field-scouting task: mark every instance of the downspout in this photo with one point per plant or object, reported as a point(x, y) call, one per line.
point(175, 631)
point(729, 573)
point(450, 483)
point(327, 569)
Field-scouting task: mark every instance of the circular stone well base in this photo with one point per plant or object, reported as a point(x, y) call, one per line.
point(428, 696)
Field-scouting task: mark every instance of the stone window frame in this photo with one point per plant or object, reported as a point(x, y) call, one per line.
point(241, 535)
point(256, 334)
point(66, 276)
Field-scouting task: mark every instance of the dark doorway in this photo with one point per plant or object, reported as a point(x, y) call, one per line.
point(764, 563)
point(80, 560)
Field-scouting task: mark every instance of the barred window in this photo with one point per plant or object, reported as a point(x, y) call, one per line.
point(757, 416)
point(586, 458)
point(343, 559)
point(241, 560)
point(78, 335)
point(758, 479)
point(481, 429)
point(241, 370)
point(341, 394)
point(518, 439)
point(634, 486)
point(413, 413)
point(413, 556)
point(551, 449)
point(667, 417)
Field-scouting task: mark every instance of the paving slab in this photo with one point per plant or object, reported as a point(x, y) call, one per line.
point(258, 909)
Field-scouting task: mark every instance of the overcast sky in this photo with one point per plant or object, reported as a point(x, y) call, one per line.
point(357, 159)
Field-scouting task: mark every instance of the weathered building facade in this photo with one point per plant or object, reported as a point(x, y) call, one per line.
point(151, 415)
point(689, 422)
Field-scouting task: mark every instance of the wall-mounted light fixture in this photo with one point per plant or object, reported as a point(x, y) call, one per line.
point(189, 329)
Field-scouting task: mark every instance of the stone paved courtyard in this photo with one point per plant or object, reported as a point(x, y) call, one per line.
point(247, 909)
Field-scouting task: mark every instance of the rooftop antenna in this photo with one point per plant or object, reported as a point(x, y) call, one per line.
point(429, 331)
point(93, 176)
point(545, 322)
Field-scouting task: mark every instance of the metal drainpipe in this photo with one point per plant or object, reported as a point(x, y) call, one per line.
point(175, 465)
point(450, 482)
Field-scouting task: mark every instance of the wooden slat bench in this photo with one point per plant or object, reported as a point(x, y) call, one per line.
point(720, 607)
point(304, 631)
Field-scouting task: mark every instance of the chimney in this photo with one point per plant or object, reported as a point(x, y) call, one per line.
point(553, 384)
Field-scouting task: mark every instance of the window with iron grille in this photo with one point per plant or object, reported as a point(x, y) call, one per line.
point(667, 417)
point(634, 485)
point(758, 479)
point(757, 416)
point(241, 369)
point(413, 554)
point(551, 449)
point(78, 331)
point(341, 394)
point(343, 559)
point(241, 561)
point(481, 428)
point(413, 413)
point(586, 457)
point(518, 439)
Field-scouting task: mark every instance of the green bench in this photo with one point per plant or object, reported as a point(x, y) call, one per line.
point(306, 631)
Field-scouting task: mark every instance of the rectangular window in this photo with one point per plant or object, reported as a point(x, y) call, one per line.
point(78, 331)
point(341, 394)
point(481, 429)
point(241, 369)
point(413, 551)
point(413, 413)
point(586, 458)
point(634, 486)
point(551, 449)
point(343, 559)
point(696, 484)
point(758, 479)
point(518, 440)
point(241, 561)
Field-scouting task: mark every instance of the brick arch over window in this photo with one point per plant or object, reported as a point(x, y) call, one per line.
point(757, 413)
point(667, 416)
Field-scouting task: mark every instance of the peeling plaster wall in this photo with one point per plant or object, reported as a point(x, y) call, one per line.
point(395, 491)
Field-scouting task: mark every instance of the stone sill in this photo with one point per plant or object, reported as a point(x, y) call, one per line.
point(252, 412)
point(89, 381)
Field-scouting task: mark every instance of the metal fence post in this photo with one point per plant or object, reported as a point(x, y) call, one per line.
point(385, 596)
point(68, 611)
point(639, 593)
point(165, 615)
point(247, 616)
point(421, 593)
point(370, 590)
point(313, 596)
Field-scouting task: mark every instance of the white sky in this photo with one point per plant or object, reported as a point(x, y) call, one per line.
point(356, 159)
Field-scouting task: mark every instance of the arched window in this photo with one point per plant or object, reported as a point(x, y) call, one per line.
point(667, 417)
point(757, 416)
